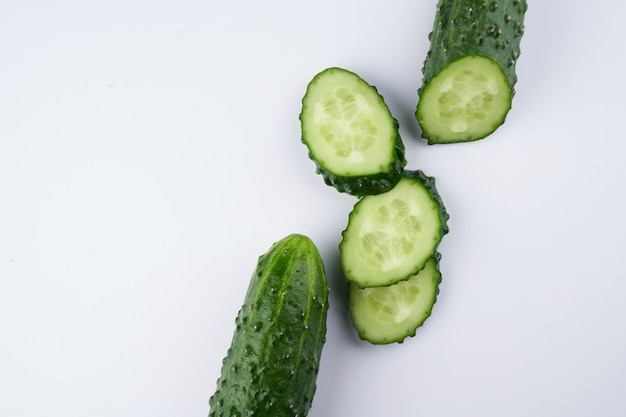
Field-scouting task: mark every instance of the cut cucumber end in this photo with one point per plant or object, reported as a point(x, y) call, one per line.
point(383, 315)
point(468, 100)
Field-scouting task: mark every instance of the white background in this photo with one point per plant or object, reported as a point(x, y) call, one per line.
point(150, 152)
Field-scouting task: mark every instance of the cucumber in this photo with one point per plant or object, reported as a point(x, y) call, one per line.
point(391, 236)
point(383, 315)
point(469, 72)
point(271, 367)
point(350, 134)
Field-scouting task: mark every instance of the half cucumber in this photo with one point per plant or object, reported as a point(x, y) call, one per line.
point(469, 71)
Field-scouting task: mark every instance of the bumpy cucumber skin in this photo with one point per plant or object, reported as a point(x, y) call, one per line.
point(360, 185)
point(271, 367)
point(430, 184)
point(492, 29)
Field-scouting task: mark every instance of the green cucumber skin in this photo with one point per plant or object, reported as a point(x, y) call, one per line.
point(430, 184)
point(492, 29)
point(271, 367)
point(367, 184)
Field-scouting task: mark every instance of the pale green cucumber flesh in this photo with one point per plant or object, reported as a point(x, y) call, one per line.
point(350, 133)
point(383, 315)
point(466, 101)
point(391, 236)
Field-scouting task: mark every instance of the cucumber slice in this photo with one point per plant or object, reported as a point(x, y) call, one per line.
point(383, 315)
point(469, 71)
point(391, 236)
point(350, 134)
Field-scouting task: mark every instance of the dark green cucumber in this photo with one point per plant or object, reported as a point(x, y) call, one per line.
point(271, 367)
point(391, 236)
point(383, 315)
point(469, 72)
point(350, 134)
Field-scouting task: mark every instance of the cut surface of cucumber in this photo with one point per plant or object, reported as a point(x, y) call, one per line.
point(469, 72)
point(466, 101)
point(383, 315)
point(350, 133)
point(391, 236)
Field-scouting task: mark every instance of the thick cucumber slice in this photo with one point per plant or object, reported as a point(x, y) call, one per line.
point(466, 101)
point(469, 71)
point(391, 236)
point(383, 315)
point(350, 134)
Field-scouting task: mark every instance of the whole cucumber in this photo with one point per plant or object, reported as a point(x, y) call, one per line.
point(271, 367)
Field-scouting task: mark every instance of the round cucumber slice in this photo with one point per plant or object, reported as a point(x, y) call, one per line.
point(383, 315)
point(350, 133)
point(468, 100)
point(391, 236)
